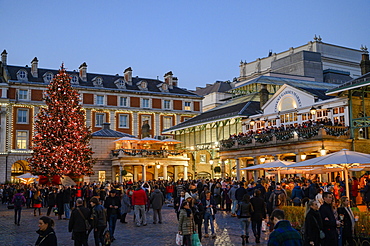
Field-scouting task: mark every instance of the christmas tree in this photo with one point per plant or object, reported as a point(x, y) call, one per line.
point(61, 140)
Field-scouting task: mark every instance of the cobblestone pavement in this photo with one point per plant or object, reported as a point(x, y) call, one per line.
point(227, 230)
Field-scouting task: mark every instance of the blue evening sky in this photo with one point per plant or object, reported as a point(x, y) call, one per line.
point(200, 41)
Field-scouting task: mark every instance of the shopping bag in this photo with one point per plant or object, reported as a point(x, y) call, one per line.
point(195, 240)
point(264, 226)
point(179, 239)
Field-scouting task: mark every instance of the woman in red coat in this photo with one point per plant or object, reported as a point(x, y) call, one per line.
point(354, 191)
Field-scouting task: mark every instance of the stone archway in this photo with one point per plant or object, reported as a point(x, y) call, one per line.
point(18, 168)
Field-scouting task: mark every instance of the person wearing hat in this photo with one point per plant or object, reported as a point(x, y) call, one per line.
point(112, 204)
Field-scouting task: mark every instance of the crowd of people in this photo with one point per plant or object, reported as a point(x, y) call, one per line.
point(97, 207)
point(287, 127)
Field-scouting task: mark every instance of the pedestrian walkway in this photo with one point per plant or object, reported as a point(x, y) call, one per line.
point(227, 230)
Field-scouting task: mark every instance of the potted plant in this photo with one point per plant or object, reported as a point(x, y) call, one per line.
point(123, 172)
point(217, 169)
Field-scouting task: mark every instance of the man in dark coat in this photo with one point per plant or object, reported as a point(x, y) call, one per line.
point(329, 221)
point(157, 200)
point(113, 205)
point(67, 201)
point(284, 233)
point(240, 192)
point(259, 208)
point(77, 223)
point(177, 203)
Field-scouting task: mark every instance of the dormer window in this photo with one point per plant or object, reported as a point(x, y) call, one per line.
point(97, 82)
point(48, 77)
point(74, 79)
point(143, 85)
point(163, 87)
point(22, 75)
point(120, 83)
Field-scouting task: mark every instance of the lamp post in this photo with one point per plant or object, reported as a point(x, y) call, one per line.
point(211, 163)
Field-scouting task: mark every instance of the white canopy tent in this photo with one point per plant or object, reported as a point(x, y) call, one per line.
point(344, 160)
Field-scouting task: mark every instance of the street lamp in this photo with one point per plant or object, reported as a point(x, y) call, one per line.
point(313, 110)
point(252, 122)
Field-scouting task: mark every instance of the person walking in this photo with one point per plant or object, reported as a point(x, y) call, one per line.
point(77, 223)
point(125, 207)
point(18, 200)
point(209, 213)
point(52, 201)
point(37, 200)
point(139, 199)
point(177, 203)
point(234, 201)
point(284, 233)
point(186, 223)
point(67, 198)
point(278, 198)
point(157, 201)
point(112, 204)
point(244, 214)
point(347, 220)
point(312, 224)
point(259, 213)
point(98, 220)
point(46, 232)
point(330, 223)
point(366, 193)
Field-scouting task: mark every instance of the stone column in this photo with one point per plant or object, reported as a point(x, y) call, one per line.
point(143, 176)
point(175, 173)
point(155, 172)
point(120, 173)
point(237, 162)
point(135, 173)
point(255, 172)
point(185, 172)
point(223, 171)
point(165, 172)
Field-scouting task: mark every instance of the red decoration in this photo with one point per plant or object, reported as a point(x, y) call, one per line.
point(61, 140)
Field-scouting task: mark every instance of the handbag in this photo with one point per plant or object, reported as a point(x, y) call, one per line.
point(195, 239)
point(87, 224)
point(179, 239)
point(11, 206)
point(322, 234)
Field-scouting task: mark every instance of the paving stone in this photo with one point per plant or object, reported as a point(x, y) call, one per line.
point(227, 229)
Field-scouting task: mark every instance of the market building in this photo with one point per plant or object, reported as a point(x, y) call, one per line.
point(278, 109)
point(133, 106)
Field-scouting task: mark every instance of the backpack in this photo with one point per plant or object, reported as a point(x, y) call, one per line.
point(18, 202)
point(278, 199)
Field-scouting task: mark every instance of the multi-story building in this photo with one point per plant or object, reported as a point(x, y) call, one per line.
point(124, 101)
point(243, 130)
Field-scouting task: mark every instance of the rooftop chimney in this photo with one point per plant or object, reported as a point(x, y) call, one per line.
point(365, 63)
point(34, 65)
point(174, 81)
point(264, 95)
point(168, 79)
point(128, 74)
point(106, 126)
point(4, 56)
point(83, 72)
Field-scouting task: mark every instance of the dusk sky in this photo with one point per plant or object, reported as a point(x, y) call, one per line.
point(199, 41)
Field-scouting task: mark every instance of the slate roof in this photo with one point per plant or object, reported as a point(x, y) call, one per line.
point(218, 86)
point(110, 133)
point(244, 105)
point(316, 88)
point(363, 80)
point(108, 81)
point(336, 76)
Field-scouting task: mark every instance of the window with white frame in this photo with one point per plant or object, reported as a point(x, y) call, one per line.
point(22, 139)
point(187, 106)
point(123, 121)
point(48, 77)
point(74, 79)
point(123, 101)
point(99, 119)
point(338, 116)
point(99, 100)
point(22, 75)
point(145, 103)
point(166, 104)
point(22, 94)
point(167, 122)
point(22, 116)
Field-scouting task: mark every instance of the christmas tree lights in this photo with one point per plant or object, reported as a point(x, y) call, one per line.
point(61, 139)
